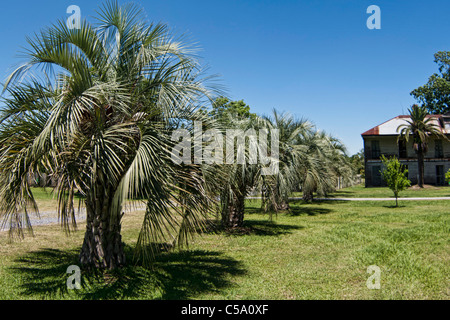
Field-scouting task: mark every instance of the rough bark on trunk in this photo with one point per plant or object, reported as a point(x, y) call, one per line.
point(234, 217)
point(308, 196)
point(420, 160)
point(272, 205)
point(102, 246)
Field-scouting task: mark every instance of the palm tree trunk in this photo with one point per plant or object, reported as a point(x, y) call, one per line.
point(420, 166)
point(234, 217)
point(102, 246)
point(308, 195)
point(283, 205)
point(275, 203)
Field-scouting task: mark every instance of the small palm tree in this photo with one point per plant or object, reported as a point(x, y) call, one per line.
point(421, 129)
point(322, 164)
point(239, 179)
point(99, 120)
point(277, 188)
point(309, 159)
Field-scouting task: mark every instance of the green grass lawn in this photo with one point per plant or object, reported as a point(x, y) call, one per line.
point(316, 251)
point(359, 191)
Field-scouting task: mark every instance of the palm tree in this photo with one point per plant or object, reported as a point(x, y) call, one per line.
point(98, 118)
point(309, 160)
point(276, 189)
point(322, 164)
point(240, 177)
point(420, 128)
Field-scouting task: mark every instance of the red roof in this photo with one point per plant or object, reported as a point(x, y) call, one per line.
point(372, 132)
point(375, 131)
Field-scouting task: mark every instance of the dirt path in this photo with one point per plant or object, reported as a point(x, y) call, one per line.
point(51, 217)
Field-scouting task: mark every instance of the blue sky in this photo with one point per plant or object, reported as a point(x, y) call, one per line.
point(314, 59)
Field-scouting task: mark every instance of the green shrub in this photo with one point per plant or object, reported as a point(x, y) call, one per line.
point(394, 173)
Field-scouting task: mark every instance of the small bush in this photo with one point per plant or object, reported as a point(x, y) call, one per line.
point(394, 173)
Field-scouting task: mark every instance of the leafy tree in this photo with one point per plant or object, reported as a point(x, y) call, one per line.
point(99, 119)
point(435, 94)
point(447, 176)
point(420, 127)
point(394, 173)
point(225, 110)
point(357, 161)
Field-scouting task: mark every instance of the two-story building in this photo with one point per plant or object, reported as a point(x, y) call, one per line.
point(382, 140)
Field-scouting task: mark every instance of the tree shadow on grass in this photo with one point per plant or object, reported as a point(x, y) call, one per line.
point(251, 227)
point(309, 210)
point(173, 275)
point(394, 206)
point(269, 228)
point(253, 210)
point(255, 227)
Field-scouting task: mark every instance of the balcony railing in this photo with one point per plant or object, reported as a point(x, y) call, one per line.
point(411, 156)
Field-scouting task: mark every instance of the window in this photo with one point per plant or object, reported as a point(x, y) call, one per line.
point(402, 149)
point(375, 149)
point(438, 149)
point(376, 176)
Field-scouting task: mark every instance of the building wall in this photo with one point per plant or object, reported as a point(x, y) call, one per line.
point(388, 146)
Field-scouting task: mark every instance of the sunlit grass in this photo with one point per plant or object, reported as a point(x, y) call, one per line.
point(319, 250)
point(359, 191)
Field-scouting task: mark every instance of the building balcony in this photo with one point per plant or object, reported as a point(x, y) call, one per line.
point(428, 157)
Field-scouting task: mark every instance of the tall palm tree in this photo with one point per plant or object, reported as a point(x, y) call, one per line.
point(421, 129)
point(98, 118)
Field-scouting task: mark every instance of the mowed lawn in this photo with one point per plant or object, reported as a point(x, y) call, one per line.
point(318, 250)
point(359, 191)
